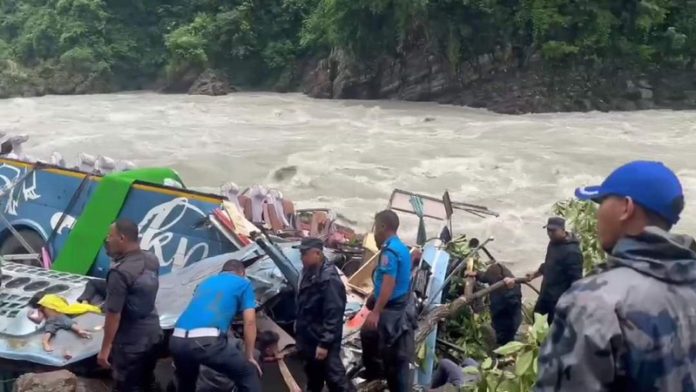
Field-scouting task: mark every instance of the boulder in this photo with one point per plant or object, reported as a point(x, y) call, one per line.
point(319, 82)
point(210, 82)
point(58, 381)
point(177, 82)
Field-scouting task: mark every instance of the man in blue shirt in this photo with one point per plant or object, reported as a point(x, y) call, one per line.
point(387, 336)
point(200, 334)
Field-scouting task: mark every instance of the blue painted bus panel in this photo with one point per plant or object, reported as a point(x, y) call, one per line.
point(171, 221)
point(438, 259)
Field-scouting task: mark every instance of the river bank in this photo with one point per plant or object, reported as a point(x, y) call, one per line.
point(497, 82)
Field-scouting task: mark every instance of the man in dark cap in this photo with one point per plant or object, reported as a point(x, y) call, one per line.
point(562, 267)
point(321, 303)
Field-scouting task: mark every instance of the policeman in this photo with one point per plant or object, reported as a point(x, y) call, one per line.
point(387, 335)
point(562, 267)
point(321, 303)
point(629, 326)
point(132, 332)
point(200, 334)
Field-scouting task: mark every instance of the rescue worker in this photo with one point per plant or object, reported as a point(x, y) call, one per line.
point(505, 303)
point(629, 326)
point(388, 333)
point(321, 303)
point(562, 267)
point(200, 333)
point(132, 333)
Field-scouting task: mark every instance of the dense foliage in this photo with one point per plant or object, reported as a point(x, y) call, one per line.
point(258, 42)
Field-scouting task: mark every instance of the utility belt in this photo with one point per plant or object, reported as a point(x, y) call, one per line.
point(197, 333)
point(395, 304)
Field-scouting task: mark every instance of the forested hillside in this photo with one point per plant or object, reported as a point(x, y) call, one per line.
point(77, 46)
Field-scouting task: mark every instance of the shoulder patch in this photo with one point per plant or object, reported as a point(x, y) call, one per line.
point(384, 261)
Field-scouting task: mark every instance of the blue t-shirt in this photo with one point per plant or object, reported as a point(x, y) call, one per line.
point(394, 262)
point(216, 302)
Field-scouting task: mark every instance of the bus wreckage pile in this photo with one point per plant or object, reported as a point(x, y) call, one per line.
point(273, 266)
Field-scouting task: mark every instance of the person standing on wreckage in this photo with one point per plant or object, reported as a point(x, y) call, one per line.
point(132, 333)
point(631, 325)
point(388, 333)
point(562, 267)
point(321, 304)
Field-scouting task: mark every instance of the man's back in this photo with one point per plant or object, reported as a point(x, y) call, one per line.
point(631, 327)
point(217, 301)
point(562, 267)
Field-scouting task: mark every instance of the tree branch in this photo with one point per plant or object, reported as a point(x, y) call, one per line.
point(431, 319)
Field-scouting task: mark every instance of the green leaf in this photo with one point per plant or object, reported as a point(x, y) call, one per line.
point(487, 364)
point(524, 362)
point(510, 348)
point(535, 365)
point(540, 327)
point(472, 370)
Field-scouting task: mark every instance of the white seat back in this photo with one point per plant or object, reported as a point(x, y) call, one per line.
point(86, 162)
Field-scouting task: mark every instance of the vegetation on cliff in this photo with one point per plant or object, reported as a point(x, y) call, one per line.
point(104, 44)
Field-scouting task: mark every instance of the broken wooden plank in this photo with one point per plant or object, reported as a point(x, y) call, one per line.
point(287, 377)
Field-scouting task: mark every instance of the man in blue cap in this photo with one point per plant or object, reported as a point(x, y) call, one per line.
point(631, 325)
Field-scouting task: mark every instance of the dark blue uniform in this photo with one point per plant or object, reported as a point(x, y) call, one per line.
point(200, 334)
point(321, 303)
point(388, 350)
point(131, 290)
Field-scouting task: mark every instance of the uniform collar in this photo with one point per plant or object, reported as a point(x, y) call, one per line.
point(389, 240)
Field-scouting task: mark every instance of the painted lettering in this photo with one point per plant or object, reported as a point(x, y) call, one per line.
point(156, 235)
point(27, 192)
point(68, 222)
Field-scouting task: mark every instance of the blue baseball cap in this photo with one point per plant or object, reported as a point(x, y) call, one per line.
point(652, 185)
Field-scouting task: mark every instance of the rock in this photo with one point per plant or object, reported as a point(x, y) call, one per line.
point(646, 104)
point(624, 105)
point(353, 80)
point(690, 96)
point(211, 82)
point(58, 381)
point(319, 81)
point(645, 93)
point(178, 82)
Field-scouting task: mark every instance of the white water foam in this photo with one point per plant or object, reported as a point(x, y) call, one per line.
point(349, 155)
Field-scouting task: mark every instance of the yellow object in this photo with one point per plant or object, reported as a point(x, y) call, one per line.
point(420, 354)
point(370, 244)
point(242, 225)
point(470, 264)
point(61, 305)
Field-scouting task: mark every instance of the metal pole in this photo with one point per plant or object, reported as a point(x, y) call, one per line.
point(455, 271)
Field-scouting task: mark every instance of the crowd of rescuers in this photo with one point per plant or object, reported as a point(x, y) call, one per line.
point(630, 325)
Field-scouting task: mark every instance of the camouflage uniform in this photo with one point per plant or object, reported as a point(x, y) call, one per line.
point(631, 326)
